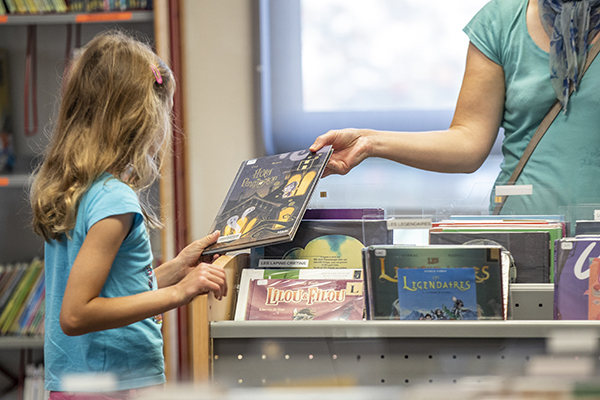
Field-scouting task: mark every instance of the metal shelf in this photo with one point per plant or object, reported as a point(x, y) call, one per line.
point(21, 342)
point(14, 180)
point(367, 353)
point(77, 18)
point(393, 329)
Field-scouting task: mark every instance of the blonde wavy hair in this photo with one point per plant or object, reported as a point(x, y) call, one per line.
point(114, 117)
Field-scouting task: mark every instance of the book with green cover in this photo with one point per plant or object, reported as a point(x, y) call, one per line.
point(382, 263)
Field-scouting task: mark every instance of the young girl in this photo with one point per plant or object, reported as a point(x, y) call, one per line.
point(103, 298)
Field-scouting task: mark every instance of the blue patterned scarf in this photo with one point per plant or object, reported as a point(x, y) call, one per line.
point(571, 26)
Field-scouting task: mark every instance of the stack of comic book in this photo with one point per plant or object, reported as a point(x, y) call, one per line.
point(529, 239)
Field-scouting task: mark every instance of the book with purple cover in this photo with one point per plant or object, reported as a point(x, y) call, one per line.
point(571, 276)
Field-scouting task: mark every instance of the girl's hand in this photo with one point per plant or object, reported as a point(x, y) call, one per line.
point(203, 278)
point(191, 255)
point(350, 148)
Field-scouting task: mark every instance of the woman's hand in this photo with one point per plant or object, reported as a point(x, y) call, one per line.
point(350, 148)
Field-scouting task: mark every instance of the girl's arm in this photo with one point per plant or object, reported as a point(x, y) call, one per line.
point(461, 148)
point(83, 311)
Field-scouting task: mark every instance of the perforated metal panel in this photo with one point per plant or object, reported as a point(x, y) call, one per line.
point(367, 353)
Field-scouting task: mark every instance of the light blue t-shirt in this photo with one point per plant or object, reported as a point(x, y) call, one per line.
point(565, 166)
point(132, 354)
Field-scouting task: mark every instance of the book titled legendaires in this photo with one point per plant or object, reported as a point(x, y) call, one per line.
point(384, 264)
point(437, 294)
point(305, 299)
point(267, 199)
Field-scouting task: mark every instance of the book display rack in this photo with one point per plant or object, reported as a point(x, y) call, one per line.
point(374, 352)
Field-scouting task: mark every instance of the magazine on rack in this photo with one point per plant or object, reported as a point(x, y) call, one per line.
point(267, 200)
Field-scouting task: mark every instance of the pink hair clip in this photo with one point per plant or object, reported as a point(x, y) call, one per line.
point(156, 74)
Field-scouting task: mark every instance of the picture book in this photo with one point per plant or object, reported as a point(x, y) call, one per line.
point(383, 263)
point(324, 244)
point(530, 250)
point(280, 273)
point(267, 200)
point(572, 274)
point(305, 299)
point(436, 294)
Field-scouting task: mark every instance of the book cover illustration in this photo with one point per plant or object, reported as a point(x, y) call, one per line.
point(383, 263)
point(572, 275)
point(436, 294)
point(267, 200)
point(281, 273)
point(325, 244)
point(305, 299)
point(530, 250)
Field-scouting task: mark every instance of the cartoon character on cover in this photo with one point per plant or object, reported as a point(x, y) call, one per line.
point(304, 314)
point(457, 308)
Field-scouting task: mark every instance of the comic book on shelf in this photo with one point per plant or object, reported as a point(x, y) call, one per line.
point(248, 274)
point(305, 299)
point(324, 243)
point(572, 276)
point(436, 294)
point(267, 199)
point(556, 229)
point(531, 251)
point(383, 263)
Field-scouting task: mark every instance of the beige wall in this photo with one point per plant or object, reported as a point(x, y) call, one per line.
point(220, 117)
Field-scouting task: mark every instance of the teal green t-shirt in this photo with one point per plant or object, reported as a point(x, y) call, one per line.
point(564, 168)
point(133, 354)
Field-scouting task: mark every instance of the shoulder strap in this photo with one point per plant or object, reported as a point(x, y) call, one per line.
point(544, 125)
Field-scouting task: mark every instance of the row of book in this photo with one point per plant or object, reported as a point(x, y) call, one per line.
point(350, 269)
point(64, 6)
point(265, 210)
point(22, 298)
point(397, 282)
